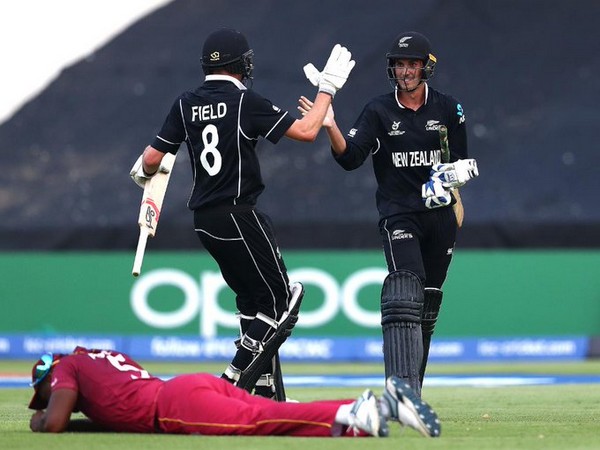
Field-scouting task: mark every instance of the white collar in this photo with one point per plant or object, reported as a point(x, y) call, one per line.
point(235, 81)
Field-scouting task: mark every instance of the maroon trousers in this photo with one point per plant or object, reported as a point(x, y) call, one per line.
point(208, 405)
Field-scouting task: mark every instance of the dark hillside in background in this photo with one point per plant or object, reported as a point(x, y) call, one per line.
point(525, 72)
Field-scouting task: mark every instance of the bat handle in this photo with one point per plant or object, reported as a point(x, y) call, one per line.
point(139, 253)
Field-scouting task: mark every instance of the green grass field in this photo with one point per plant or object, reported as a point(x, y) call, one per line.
point(532, 417)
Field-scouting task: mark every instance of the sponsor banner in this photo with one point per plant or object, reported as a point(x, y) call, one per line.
point(184, 294)
point(21, 346)
point(499, 349)
point(326, 349)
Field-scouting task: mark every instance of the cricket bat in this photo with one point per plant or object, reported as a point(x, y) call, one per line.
point(458, 207)
point(152, 200)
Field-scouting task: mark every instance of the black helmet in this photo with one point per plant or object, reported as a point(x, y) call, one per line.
point(411, 45)
point(227, 49)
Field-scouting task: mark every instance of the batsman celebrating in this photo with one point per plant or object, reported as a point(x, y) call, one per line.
point(221, 122)
point(418, 170)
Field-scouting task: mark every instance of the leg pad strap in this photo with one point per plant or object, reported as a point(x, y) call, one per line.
point(256, 368)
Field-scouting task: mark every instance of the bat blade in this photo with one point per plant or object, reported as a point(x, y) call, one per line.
point(444, 144)
point(150, 209)
point(458, 207)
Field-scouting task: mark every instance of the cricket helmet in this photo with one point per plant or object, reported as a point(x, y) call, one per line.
point(411, 45)
point(227, 49)
point(39, 372)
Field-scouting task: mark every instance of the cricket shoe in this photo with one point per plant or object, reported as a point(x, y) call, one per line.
point(366, 416)
point(406, 407)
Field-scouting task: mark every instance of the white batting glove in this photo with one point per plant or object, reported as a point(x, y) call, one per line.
point(336, 71)
point(435, 195)
point(455, 174)
point(312, 73)
point(139, 176)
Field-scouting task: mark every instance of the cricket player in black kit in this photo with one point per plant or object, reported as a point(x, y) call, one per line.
point(400, 130)
point(221, 122)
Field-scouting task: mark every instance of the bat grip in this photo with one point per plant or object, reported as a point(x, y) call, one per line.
point(139, 253)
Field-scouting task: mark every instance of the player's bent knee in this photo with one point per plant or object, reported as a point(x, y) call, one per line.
point(401, 298)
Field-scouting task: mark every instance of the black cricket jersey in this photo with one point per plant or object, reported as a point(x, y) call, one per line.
point(221, 122)
point(404, 145)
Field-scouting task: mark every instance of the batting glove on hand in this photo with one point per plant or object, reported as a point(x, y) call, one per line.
point(455, 174)
point(336, 71)
point(139, 176)
point(312, 73)
point(435, 195)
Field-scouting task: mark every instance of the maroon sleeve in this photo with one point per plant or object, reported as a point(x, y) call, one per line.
point(113, 390)
point(64, 374)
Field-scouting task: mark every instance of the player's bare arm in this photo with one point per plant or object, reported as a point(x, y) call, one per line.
point(55, 419)
point(338, 142)
point(152, 159)
point(336, 138)
point(307, 128)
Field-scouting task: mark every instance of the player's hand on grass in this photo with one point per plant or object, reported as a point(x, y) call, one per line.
point(305, 105)
point(336, 71)
point(36, 421)
point(455, 174)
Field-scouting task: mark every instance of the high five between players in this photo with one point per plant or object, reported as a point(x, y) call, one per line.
point(221, 122)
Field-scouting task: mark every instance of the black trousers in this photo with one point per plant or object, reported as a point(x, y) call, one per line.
point(242, 241)
point(421, 242)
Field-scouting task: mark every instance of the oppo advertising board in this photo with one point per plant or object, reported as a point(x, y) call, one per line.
point(178, 294)
point(181, 307)
point(338, 310)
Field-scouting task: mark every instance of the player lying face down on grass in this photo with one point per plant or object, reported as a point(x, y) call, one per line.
point(116, 394)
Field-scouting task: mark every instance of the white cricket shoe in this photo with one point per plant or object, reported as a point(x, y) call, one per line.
point(406, 407)
point(366, 416)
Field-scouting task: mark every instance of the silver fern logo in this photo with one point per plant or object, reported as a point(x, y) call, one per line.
point(401, 234)
point(403, 42)
point(432, 125)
